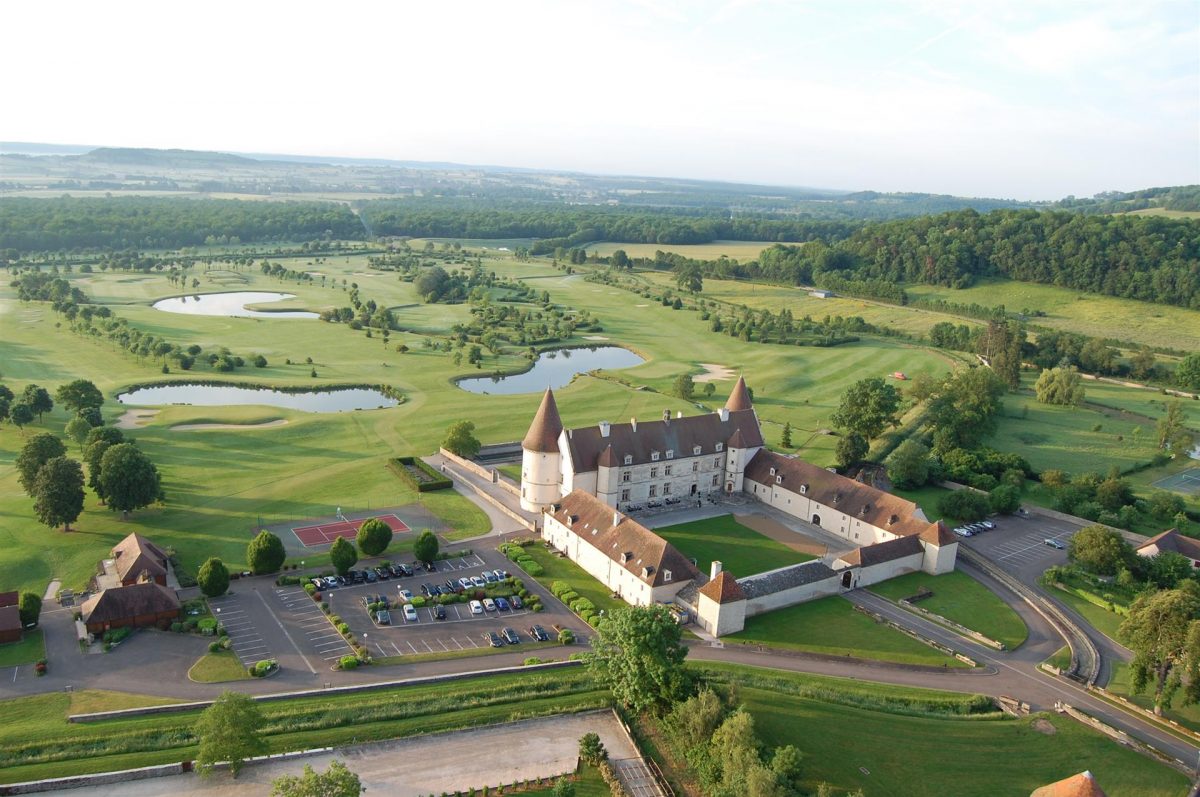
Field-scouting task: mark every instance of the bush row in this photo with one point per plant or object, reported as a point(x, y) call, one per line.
point(418, 475)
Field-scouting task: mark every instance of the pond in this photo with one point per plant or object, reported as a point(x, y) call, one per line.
point(554, 369)
point(227, 395)
point(230, 304)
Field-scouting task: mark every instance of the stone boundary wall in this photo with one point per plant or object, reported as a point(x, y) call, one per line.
point(466, 464)
point(1122, 738)
point(961, 630)
point(879, 618)
point(1134, 708)
point(525, 522)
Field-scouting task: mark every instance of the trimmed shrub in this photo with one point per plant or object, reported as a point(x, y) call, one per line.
point(418, 601)
point(214, 647)
point(566, 637)
point(348, 662)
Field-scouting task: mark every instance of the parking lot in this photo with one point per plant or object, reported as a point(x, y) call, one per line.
point(460, 629)
point(247, 640)
point(1018, 544)
point(310, 627)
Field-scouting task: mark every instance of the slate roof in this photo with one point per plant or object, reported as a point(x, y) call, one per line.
point(135, 553)
point(739, 399)
point(883, 552)
point(1172, 540)
point(122, 603)
point(723, 589)
point(785, 578)
point(10, 618)
point(680, 435)
point(628, 543)
point(881, 509)
point(1081, 785)
point(547, 425)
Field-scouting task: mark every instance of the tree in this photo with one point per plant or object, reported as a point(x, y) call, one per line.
point(128, 479)
point(563, 788)
point(229, 730)
point(867, 407)
point(1004, 499)
point(337, 781)
point(963, 411)
point(908, 465)
point(1167, 569)
point(1099, 549)
point(37, 451)
point(1060, 386)
point(684, 387)
point(1162, 631)
point(58, 493)
point(460, 439)
point(1187, 373)
point(265, 553)
point(1114, 493)
point(77, 429)
point(1143, 363)
point(21, 414)
point(619, 259)
point(785, 439)
point(79, 394)
point(38, 399)
point(638, 654)
point(709, 389)
point(1001, 343)
point(342, 555)
point(689, 276)
point(1165, 505)
point(591, 749)
point(1173, 434)
point(373, 537)
point(851, 448)
point(965, 505)
point(425, 547)
point(29, 607)
point(213, 577)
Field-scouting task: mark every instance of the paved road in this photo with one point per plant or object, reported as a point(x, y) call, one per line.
point(422, 765)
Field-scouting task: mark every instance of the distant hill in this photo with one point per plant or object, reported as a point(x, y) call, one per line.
point(166, 158)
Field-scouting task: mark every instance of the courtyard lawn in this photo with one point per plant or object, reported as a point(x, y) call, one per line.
point(832, 626)
point(36, 740)
point(958, 597)
point(560, 568)
point(30, 649)
point(213, 668)
point(741, 550)
point(914, 756)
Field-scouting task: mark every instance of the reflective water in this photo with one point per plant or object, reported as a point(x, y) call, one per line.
point(554, 369)
point(227, 395)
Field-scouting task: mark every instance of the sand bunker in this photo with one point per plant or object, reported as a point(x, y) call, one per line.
point(595, 337)
point(714, 373)
point(197, 427)
point(132, 419)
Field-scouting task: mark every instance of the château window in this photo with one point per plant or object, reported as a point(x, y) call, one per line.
point(624, 495)
point(695, 451)
point(716, 481)
point(654, 456)
point(779, 480)
point(695, 467)
point(628, 459)
point(803, 489)
point(666, 575)
point(625, 477)
point(654, 491)
point(720, 446)
point(667, 470)
point(670, 453)
point(716, 462)
point(666, 489)
point(654, 473)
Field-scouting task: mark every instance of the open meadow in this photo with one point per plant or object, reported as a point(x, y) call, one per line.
point(741, 251)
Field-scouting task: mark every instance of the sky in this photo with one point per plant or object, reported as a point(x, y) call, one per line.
point(1025, 99)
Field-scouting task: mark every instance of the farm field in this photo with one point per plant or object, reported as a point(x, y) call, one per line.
point(741, 251)
point(960, 598)
point(741, 550)
point(1075, 311)
point(833, 627)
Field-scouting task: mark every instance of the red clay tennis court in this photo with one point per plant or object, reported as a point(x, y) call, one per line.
point(326, 533)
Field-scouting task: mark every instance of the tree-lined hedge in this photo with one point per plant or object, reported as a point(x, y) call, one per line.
point(417, 474)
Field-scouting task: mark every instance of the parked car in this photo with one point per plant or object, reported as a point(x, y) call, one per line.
point(435, 590)
point(502, 604)
point(500, 574)
point(539, 633)
point(989, 525)
point(406, 595)
point(962, 532)
point(489, 577)
point(465, 583)
point(493, 639)
point(355, 577)
point(439, 612)
point(476, 607)
point(516, 602)
point(383, 617)
point(1053, 543)
point(477, 581)
point(430, 567)
point(341, 580)
point(384, 573)
point(452, 585)
point(371, 576)
point(427, 590)
point(319, 583)
point(510, 636)
point(410, 613)
point(331, 582)
point(489, 605)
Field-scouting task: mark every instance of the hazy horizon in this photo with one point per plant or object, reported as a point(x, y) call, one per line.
point(1021, 101)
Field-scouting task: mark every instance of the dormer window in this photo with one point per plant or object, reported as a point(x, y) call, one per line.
point(720, 446)
point(654, 456)
point(670, 453)
point(695, 451)
point(837, 497)
point(866, 508)
point(803, 489)
point(893, 519)
point(666, 575)
point(772, 471)
point(628, 459)
point(779, 480)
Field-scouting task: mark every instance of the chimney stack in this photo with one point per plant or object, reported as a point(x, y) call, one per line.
point(678, 413)
point(667, 416)
point(724, 413)
point(715, 570)
point(633, 423)
point(616, 517)
point(605, 427)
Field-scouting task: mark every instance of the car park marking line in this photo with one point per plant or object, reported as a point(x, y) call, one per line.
point(414, 650)
point(282, 628)
point(1033, 546)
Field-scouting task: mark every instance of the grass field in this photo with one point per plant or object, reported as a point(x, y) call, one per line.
point(1118, 684)
point(1075, 311)
point(214, 668)
point(741, 550)
point(1061, 658)
point(588, 783)
point(560, 568)
point(958, 597)
point(742, 251)
point(833, 627)
point(1101, 619)
point(30, 649)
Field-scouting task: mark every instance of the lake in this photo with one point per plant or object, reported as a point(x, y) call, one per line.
point(230, 304)
point(554, 369)
point(229, 395)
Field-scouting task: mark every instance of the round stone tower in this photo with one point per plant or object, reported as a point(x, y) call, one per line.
point(541, 461)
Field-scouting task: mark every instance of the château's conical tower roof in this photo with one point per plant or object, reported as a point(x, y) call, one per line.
point(739, 399)
point(547, 425)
